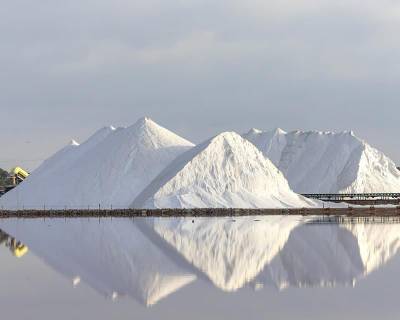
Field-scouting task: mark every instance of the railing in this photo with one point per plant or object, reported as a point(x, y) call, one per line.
point(352, 196)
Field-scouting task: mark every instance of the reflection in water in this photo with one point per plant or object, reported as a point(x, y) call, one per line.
point(17, 248)
point(322, 256)
point(112, 257)
point(148, 259)
point(230, 253)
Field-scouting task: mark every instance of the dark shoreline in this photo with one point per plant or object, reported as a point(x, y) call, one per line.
point(203, 212)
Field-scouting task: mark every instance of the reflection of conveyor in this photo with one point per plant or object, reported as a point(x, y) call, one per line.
point(16, 176)
point(17, 248)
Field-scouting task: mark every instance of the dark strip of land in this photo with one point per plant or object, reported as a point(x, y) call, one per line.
point(203, 212)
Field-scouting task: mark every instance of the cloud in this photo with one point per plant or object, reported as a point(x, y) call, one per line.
point(296, 64)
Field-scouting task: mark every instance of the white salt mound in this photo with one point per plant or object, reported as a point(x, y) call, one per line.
point(111, 168)
point(225, 171)
point(326, 162)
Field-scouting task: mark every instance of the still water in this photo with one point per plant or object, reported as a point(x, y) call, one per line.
point(198, 268)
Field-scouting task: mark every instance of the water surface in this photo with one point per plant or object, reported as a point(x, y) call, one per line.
point(199, 268)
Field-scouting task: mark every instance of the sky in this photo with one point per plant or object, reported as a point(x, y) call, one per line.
point(197, 68)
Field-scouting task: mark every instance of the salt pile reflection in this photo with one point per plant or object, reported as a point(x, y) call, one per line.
point(148, 259)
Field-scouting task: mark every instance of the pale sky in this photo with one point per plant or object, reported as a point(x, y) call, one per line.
point(197, 68)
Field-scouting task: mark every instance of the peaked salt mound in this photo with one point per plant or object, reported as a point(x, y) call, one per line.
point(326, 162)
point(111, 168)
point(225, 171)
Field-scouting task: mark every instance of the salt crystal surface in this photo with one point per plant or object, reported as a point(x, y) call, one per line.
point(109, 169)
point(327, 162)
point(225, 171)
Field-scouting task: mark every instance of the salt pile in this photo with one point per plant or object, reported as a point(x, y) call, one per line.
point(147, 166)
point(109, 169)
point(326, 162)
point(225, 171)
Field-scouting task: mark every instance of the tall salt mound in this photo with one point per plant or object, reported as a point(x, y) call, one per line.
point(225, 171)
point(326, 162)
point(111, 168)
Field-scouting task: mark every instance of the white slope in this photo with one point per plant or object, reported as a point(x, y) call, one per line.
point(111, 168)
point(271, 143)
point(112, 257)
point(229, 252)
point(65, 158)
point(326, 162)
point(225, 171)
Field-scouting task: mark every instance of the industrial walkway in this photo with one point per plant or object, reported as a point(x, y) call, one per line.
point(357, 198)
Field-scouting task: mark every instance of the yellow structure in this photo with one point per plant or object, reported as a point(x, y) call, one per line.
point(19, 172)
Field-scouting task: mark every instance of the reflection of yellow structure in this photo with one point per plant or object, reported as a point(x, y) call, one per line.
point(17, 248)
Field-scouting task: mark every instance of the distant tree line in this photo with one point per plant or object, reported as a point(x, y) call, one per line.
point(3, 177)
